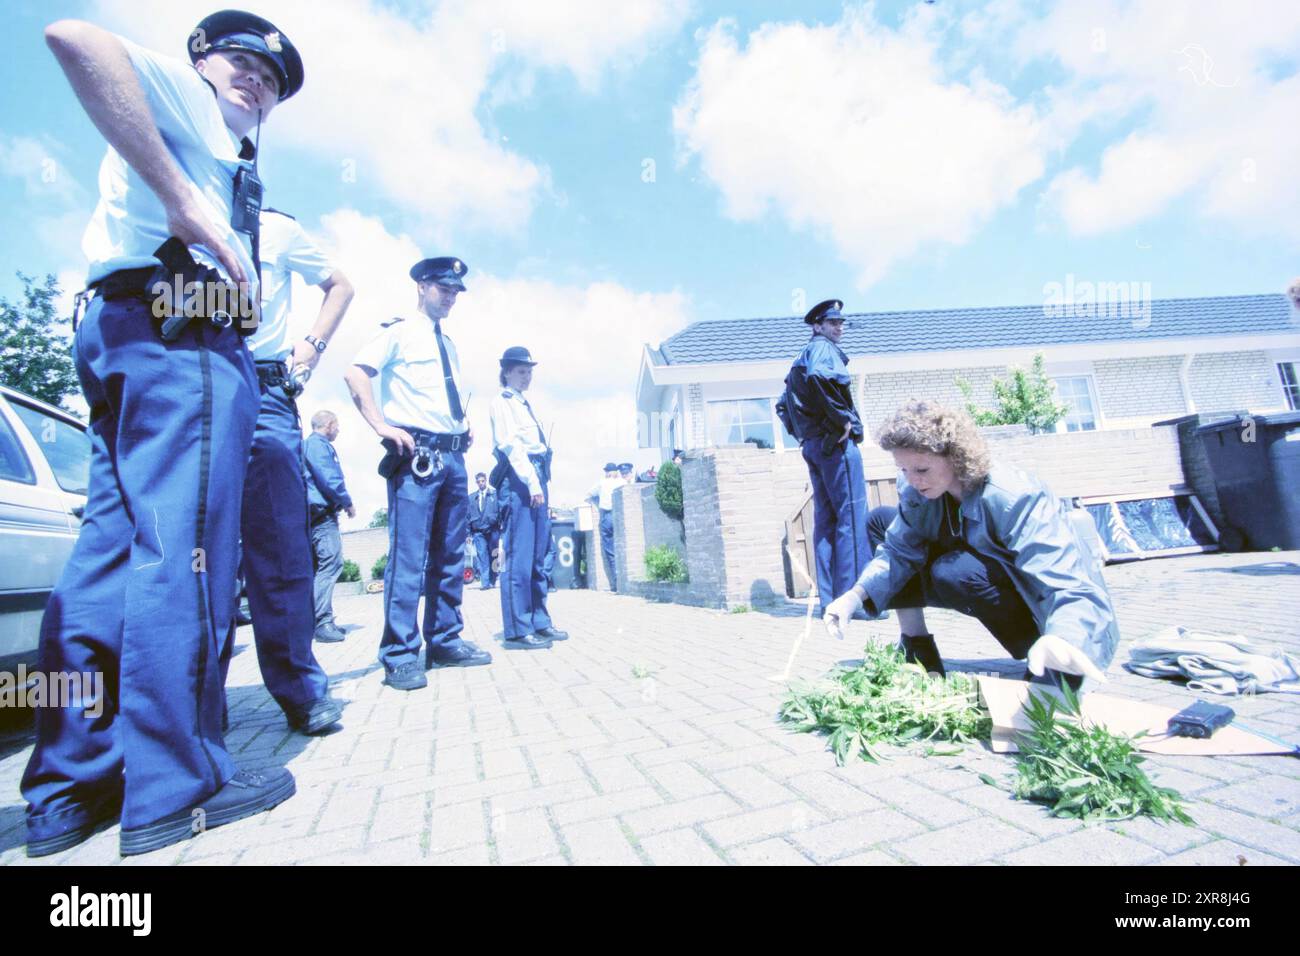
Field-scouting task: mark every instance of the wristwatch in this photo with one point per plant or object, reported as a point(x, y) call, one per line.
point(317, 344)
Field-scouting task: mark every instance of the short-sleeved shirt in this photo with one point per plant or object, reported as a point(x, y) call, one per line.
point(285, 249)
point(412, 393)
point(517, 434)
point(129, 223)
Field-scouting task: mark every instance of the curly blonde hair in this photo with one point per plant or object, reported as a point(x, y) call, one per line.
point(921, 425)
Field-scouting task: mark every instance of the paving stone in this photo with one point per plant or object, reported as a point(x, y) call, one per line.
point(300, 851)
point(683, 813)
point(770, 852)
point(599, 843)
point(615, 773)
point(774, 821)
point(406, 817)
point(832, 794)
point(522, 836)
point(1024, 814)
point(752, 787)
point(1167, 837)
point(504, 763)
point(845, 836)
point(1091, 846)
point(680, 848)
point(681, 780)
point(870, 858)
point(1223, 853)
point(459, 825)
point(607, 805)
point(918, 801)
point(1264, 796)
point(1249, 831)
point(963, 843)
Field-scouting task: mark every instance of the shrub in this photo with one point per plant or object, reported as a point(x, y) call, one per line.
point(664, 563)
point(668, 490)
point(350, 572)
point(1027, 398)
point(377, 572)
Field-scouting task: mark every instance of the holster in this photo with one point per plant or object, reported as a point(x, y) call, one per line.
point(173, 313)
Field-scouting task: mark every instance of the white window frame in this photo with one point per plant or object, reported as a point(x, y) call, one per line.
point(1098, 420)
point(778, 430)
point(1291, 403)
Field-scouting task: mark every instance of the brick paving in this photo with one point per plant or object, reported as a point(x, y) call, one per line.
point(650, 738)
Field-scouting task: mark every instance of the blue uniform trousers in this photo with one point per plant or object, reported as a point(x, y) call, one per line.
point(145, 597)
point(607, 546)
point(278, 556)
point(327, 553)
point(525, 536)
point(839, 516)
point(485, 566)
point(428, 520)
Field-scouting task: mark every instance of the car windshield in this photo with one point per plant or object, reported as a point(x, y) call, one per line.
point(66, 447)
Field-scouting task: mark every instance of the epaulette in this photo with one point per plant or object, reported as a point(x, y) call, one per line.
point(280, 212)
point(505, 394)
point(393, 321)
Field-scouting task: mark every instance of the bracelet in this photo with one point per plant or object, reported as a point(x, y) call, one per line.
point(317, 344)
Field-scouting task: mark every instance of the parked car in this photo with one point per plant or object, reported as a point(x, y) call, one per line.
point(44, 469)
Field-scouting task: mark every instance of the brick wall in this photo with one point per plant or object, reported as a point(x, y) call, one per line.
point(365, 547)
point(1139, 387)
point(699, 427)
point(737, 500)
point(1234, 380)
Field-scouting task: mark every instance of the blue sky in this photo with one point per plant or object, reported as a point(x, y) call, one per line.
point(896, 155)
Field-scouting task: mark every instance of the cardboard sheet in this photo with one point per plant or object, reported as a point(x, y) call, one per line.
point(1005, 700)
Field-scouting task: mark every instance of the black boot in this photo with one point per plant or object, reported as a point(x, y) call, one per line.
point(922, 650)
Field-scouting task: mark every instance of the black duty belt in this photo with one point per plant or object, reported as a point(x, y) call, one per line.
point(438, 441)
point(274, 374)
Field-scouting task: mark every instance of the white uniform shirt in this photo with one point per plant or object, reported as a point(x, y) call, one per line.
point(285, 248)
point(517, 434)
point(129, 223)
point(603, 493)
point(412, 393)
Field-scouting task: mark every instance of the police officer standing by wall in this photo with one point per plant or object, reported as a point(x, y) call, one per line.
point(817, 409)
point(327, 495)
point(425, 433)
point(145, 597)
point(603, 496)
point(484, 525)
point(522, 474)
point(277, 547)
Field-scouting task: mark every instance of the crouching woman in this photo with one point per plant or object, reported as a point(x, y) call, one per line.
point(985, 539)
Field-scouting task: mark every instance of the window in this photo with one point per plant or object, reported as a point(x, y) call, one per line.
point(66, 447)
point(1290, 383)
point(744, 421)
point(14, 465)
point(1075, 392)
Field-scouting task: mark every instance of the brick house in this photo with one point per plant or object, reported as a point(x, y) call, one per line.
point(1117, 365)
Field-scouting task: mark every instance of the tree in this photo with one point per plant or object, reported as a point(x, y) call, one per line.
point(380, 520)
point(35, 354)
point(1026, 398)
point(668, 490)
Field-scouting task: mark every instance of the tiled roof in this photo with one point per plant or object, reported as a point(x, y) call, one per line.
point(756, 340)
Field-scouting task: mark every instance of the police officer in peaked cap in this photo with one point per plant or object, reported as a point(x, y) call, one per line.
point(817, 409)
point(420, 417)
point(146, 596)
point(521, 476)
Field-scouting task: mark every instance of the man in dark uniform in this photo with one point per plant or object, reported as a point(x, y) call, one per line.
point(484, 525)
point(817, 409)
point(602, 495)
point(425, 433)
point(327, 495)
point(145, 597)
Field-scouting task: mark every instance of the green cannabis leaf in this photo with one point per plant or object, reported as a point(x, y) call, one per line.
point(1084, 771)
point(887, 701)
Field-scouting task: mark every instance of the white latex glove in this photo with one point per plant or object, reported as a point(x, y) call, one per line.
point(1058, 654)
point(840, 611)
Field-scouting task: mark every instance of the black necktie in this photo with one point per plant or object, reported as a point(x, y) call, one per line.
point(453, 396)
point(541, 435)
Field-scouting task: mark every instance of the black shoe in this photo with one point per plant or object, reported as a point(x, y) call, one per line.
point(529, 642)
point(103, 814)
point(329, 633)
point(246, 793)
point(316, 717)
point(553, 634)
point(408, 676)
point(922, 650)
point(467, 655)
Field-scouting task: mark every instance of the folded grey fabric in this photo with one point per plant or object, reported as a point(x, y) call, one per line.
point(1218, 664)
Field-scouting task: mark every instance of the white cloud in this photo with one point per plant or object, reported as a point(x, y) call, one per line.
point(399, 101)
point(855, 132)
point(587, 340)
point(1211, 90)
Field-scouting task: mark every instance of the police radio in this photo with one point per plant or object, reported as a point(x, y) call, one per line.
point(247, 206)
